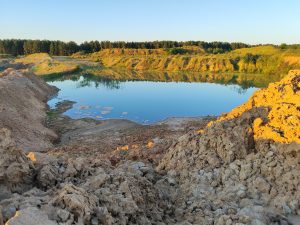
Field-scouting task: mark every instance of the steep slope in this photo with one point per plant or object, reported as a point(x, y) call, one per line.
point(283, 100)
point(23, 98)
point(260, 59)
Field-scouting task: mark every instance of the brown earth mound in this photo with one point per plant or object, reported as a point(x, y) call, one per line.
point(23, 98)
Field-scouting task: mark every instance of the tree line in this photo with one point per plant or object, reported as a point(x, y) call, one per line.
point(24, 47)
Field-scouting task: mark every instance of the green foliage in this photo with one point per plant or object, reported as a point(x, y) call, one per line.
point(176, 51)
point(167, 55)
point(5, 56)
point(283, 46)
point(21, 47)
point(292, 46)
point(250, 58)
point(215, 50)
point(51, 114)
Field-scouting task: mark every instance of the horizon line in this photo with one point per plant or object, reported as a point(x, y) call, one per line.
point(187, 40)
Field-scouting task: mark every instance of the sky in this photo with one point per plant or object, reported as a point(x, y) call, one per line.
point(249, 21)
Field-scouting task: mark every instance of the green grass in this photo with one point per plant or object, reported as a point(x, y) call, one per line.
point(51, 114)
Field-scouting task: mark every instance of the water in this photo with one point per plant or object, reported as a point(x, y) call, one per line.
point(146, 102)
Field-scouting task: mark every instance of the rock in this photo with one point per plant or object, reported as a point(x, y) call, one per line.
point(262, 185)
point(246, 170)
point(16, 171)
point(76, 201)
point(1, 217)
point(8, 212)
point(171, 181)
point(94, 221)
point(257, 222)
point(98, 180)
point(103, 216)
point(48, 175)
point(32, 216)
point(63, 215)
point(5, 192)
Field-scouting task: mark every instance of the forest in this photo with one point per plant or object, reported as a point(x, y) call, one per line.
point(17, 47)
point(24, 47)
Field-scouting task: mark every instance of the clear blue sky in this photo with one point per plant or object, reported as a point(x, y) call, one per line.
point(250, 21)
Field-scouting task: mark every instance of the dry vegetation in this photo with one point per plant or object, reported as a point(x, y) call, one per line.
point(43, 64)
point(260, 59)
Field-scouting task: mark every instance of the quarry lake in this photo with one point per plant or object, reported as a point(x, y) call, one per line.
point(146, 102)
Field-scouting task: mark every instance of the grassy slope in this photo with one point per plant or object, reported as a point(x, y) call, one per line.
point(269, 60)
point(43, 64)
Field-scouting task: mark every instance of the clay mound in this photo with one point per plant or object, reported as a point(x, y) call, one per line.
point(90, 191)
point(270, 115)
point(23, 98)
point(244, 167)
point(282, 99)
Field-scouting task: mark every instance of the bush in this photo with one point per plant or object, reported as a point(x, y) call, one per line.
point(176, 51)
point(283, 46)
point(250, 58)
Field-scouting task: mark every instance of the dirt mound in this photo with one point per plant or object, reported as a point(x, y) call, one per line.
point(23, 98)
point(16, 170)
point(282, 99)
point(244, 167)
point(91, 191)
point(33, 58)
point(43, 64)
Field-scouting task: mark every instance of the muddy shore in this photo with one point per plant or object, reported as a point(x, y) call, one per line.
point(112, 136)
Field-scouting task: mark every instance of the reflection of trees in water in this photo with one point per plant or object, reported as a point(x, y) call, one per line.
point(60, 77)
point(97, 81)
point(112, 78)
point(239, 89)
point(87, 80)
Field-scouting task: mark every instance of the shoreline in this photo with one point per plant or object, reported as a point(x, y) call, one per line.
point(62, 106)
point(114, 134)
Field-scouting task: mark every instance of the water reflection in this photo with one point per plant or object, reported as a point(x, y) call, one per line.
point(87, 81)
point(148, 97)
point(113, 78)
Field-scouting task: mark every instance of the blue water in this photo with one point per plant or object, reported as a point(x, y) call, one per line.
point(147, 102)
